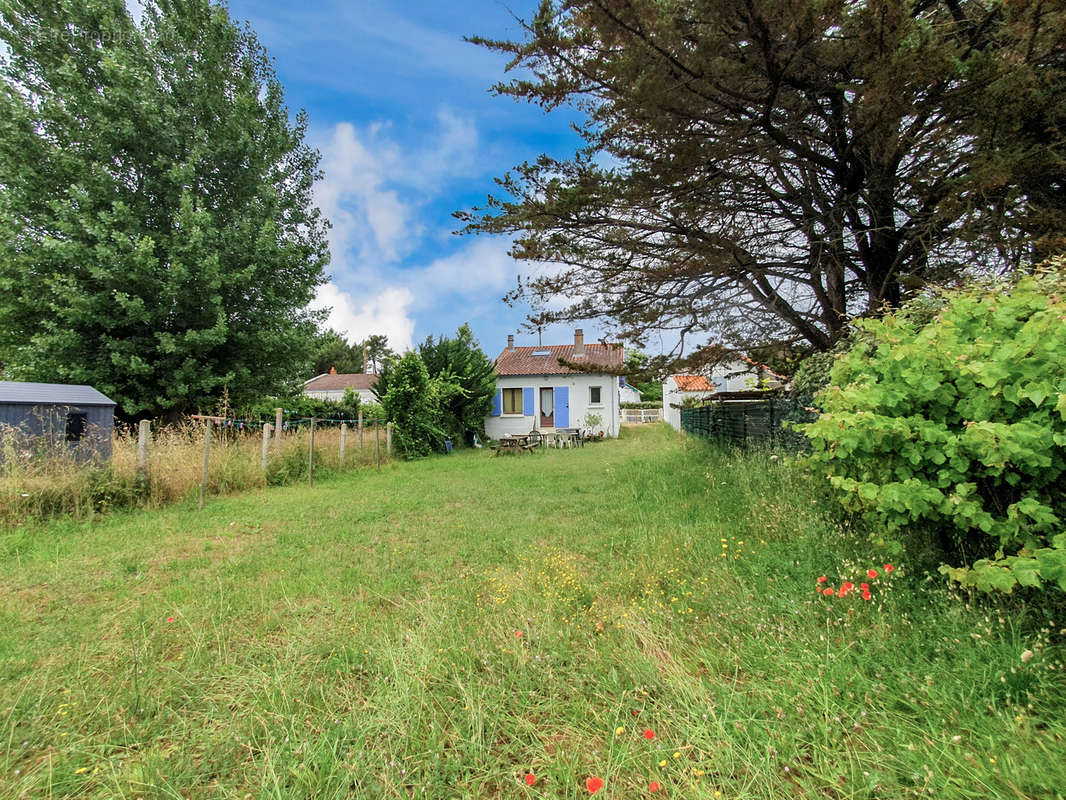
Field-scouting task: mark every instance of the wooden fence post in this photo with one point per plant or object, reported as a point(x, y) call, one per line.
point(278, 423)
point(144, 432)
point(360, 431)
point(311, 455)
point(388, 440)
point(377, 443)
point(208, 425)
point(267, 427)
point(344, 441)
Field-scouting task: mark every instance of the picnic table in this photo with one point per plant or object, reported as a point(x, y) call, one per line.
point(516, 443)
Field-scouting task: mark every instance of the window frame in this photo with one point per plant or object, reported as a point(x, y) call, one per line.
point(518, 403)
point(596, 403)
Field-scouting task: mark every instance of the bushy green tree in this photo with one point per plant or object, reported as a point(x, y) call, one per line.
point(950, 418)
point(158, 237)
point(300, 405)
point(378, 352)
point(465, 381)
point(411, 404)
point(332, 351)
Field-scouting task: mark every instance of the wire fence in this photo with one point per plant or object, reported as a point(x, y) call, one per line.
point(751, 419)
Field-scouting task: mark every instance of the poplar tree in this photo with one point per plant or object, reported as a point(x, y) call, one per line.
point(158, 238)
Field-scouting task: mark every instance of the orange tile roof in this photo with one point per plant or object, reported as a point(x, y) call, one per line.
point(693, 383)
point(545, 360)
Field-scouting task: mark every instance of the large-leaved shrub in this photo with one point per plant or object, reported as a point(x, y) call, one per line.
point(953, 425)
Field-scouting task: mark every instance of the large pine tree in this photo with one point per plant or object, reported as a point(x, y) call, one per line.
point(759, 171)
point(158, 238)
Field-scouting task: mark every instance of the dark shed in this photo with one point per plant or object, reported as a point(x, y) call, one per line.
point(52, 419)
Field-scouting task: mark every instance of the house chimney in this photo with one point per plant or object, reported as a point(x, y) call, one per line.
point(510, 341)
point(332, 370)
point(579, 343)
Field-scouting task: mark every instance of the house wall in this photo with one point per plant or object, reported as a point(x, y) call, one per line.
point(336, 395)
point(578, 386)
point(672, 398)
point(736, 376)
point(41, 429)
point(627, 394)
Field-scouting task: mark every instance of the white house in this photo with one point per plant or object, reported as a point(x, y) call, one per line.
point(536, 391)
point(677, 389)
point(627, 393)
point(741, 375)
point(331, 386)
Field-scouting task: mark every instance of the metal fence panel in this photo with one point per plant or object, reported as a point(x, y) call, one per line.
point(751, 422)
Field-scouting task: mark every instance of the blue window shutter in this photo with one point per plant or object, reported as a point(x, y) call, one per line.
point(562, 406)
point(527, 401)
point(497, 403)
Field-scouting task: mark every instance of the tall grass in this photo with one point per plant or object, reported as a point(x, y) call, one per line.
point(445, 627)
point(37, 484)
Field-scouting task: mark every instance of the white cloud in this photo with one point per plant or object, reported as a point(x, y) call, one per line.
point(383, 312)
point(373, 192)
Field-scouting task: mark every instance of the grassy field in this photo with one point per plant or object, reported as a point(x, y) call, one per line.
point(445, 628)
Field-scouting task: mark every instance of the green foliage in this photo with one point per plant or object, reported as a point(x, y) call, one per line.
point(332, 351)
point(158, 237)
point(465, 381)
point(640, 375)
point(378, 352)
point(302, 406)
point(643, 404)
point(955, 423)
point(412, 403)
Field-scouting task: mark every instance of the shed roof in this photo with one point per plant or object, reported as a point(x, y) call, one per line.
point(62, 394)
point(547, 360)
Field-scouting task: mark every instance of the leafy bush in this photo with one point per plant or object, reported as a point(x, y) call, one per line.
point(643, 404)
point(950, 418)
point(302, 406)
point(413, 406)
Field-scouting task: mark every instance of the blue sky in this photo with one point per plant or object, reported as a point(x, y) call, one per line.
point(400, 109)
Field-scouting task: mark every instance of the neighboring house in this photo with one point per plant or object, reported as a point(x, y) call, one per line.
point(331, 386)
point(677, 389)
point(534, 391)
point(741, 375)
point(57, 419)
point(627, 393)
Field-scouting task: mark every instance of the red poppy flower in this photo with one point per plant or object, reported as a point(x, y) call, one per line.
point(653, 786)
point(864, 586)
point(635, 712)
point(872, 573)
point(827, 592)
point(866, 595)
point(170, 619)
point(518, 634)
point(649, 734)
point(530, 779)
point(843, 590)
point(594, 784)
point(889, 568)
point(822, 579)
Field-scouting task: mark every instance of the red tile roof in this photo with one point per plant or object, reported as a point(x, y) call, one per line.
point(545, 360)
point(340, 381)
point(693, 383)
